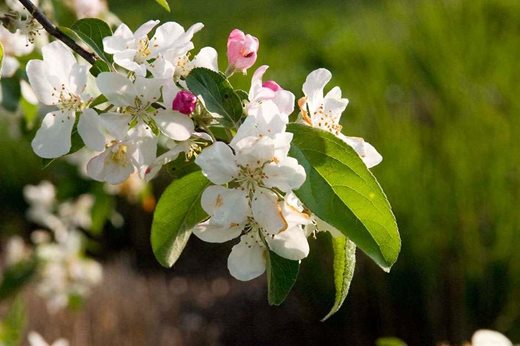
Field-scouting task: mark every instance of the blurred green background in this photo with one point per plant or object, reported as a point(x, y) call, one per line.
point(434, 86)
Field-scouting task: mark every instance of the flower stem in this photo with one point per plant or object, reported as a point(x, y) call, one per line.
point(57, 33)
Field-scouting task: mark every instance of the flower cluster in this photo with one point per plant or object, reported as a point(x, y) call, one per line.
point(254, 178)
point(63, 271)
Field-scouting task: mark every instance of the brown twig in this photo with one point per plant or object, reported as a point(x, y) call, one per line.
point(57, 33)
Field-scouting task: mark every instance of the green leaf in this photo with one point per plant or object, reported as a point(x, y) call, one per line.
point(15, 277)
point(177, 212)
point(344, 264)
point(390, 341)
point(11, 93)
point(341, 191)
point(98, 67)
point(218, 94)
point(281, 276)
point(164, 4)
point(92, 31)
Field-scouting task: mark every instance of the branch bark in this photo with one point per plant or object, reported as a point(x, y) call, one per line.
point(57, 33)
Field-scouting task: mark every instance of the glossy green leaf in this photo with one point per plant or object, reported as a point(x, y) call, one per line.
point(92, 31)
point(281, 276)
point(344, 265)
point(177, 212)
point(218, 95)
point(341, 191)
point(164, 4)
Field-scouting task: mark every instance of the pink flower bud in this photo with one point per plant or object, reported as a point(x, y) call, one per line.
point(241, 50)
point(184, 102)
point(271, 84)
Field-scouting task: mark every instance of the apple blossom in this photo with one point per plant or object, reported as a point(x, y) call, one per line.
point(57, 80)
point(259, 93)
point(241, 50)
point(135, 51)
point(324, 112)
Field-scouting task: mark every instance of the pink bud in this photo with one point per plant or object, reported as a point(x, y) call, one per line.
point(184, 102)
point(241, 50)
point(271, 84)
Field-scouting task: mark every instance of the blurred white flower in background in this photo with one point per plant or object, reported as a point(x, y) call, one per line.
point(486, 337)
point(36, 339)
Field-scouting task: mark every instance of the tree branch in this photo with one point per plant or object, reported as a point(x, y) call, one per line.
point(57, 33)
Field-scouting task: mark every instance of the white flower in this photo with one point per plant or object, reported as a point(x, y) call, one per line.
point(258, 94)
point(36, 339)
point(58, 81)
point(486, 337)
point(255, 165)
point(15, 45)
point(136, 51)
point(65, 272)
point(123, 156)
point(77, 213)
point(135, 99)
point(324, 112)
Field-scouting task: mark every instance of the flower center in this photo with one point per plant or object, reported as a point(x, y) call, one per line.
point(67, 101)
point(119, 154)
point(143, 50)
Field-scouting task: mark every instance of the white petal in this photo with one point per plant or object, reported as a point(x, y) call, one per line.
point(267, 212)
point(365, 150)
point(59, 60)
point(116, 124)
point(313, 86)
point(119, 41)
point(207, 58)
point(126, 59)
point(142, 146)
point(90, 129)
point(169, 91)
point(144, 29)
point(287, 175)
point(118, 89)
point(291, 244)
point(166, 34)
point(247, 259)
point(78, 79)
point(256, 82)
point(53, 137)
point(254, 151)
point(227, 207)
point(218, 163)
point(216, 233)
point(148, 89)
point(9, 67)
point(284, 100)
point(40, 84)
point(485, 337)
point(103, 168)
